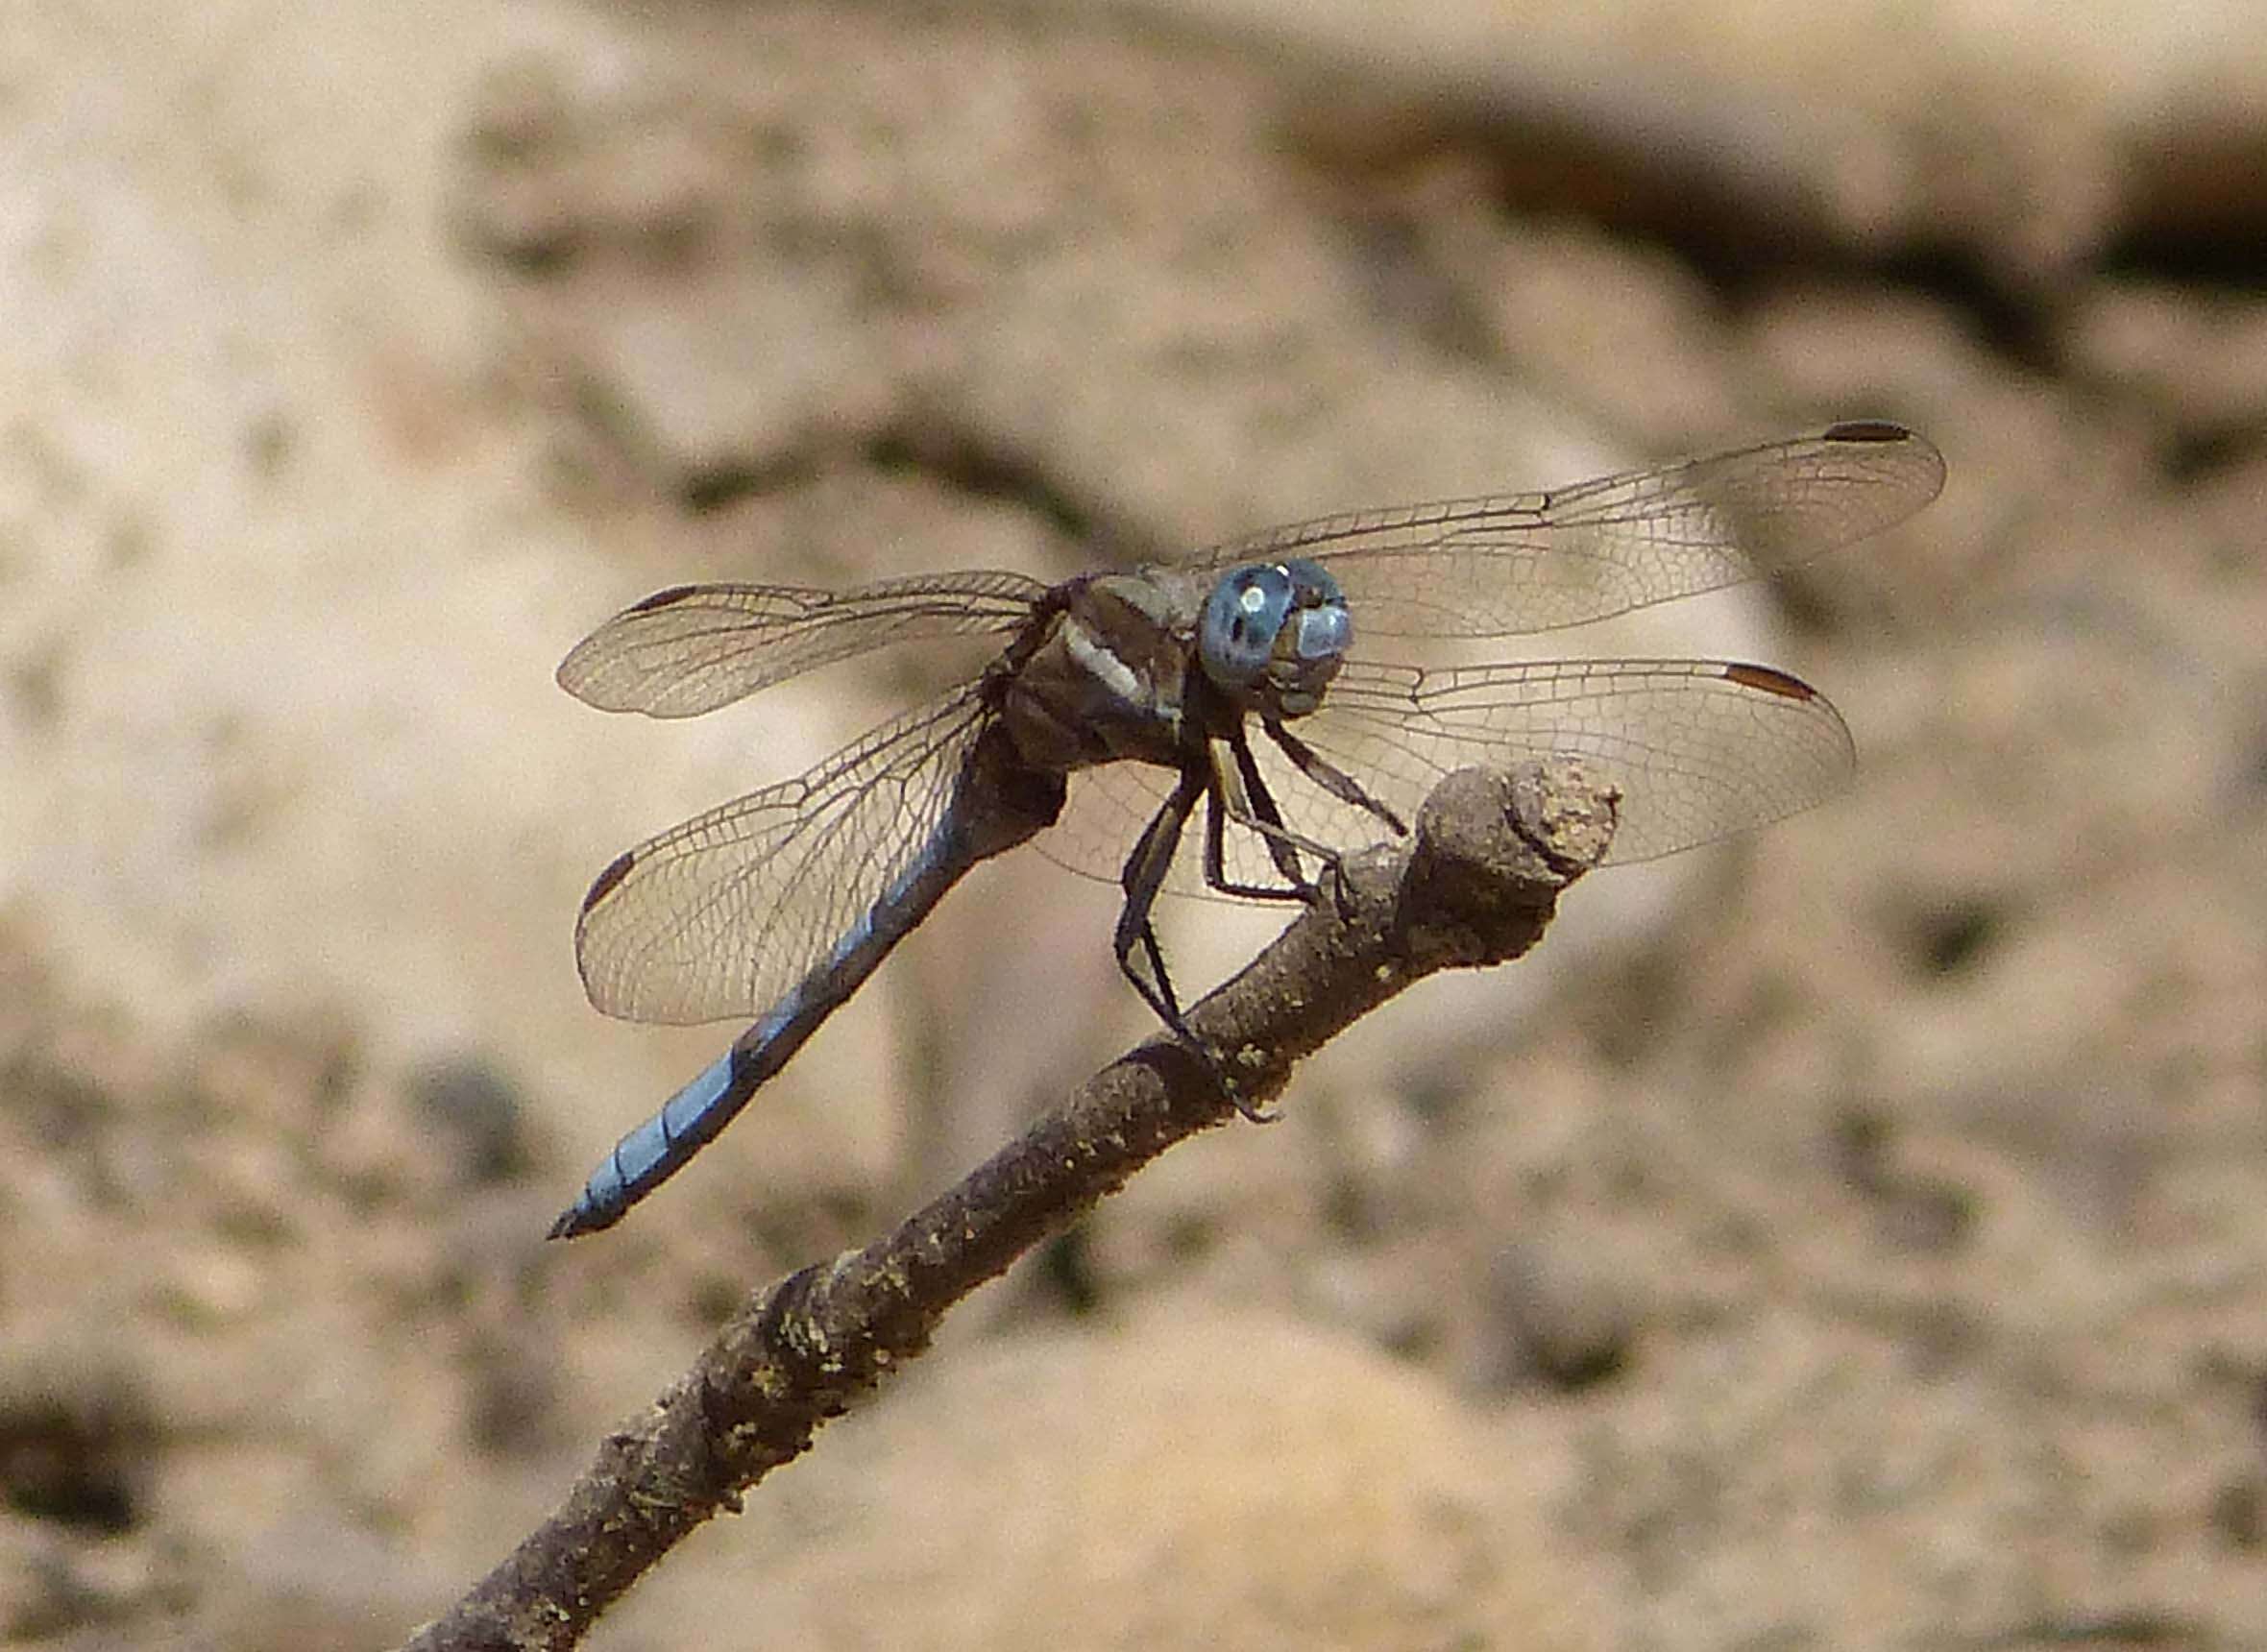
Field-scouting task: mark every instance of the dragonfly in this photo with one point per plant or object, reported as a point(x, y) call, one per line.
point(1236, 681)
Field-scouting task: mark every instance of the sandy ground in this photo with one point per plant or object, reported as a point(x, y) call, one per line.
point(1855, 1236)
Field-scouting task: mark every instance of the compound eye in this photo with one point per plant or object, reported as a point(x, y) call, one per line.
point(1321, 627)
point(1242, 619)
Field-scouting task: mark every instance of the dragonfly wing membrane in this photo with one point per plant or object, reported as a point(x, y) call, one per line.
point(1700, 749)
point(723, 914)
point(1526, 562)
point(693, 647)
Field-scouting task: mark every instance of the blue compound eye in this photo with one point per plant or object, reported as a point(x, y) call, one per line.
point(1242, 619)
point(1321, 627)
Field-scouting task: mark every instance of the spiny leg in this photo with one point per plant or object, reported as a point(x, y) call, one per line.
point(1222, 804)
point(1338, 783)
point(1139, 880)
point(1247, 801)
point(1143, 876)
point(1331, 777)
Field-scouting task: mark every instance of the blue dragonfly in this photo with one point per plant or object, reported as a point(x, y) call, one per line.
point(1230, 680)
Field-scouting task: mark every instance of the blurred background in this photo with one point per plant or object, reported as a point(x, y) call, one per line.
point(1854, 1235)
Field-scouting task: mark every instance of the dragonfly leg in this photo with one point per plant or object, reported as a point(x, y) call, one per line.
point(1218, 809)
point(1251, 804)
point(1144, 874)
point(1243, 797)
point(1338, 783)
point(1331, 777)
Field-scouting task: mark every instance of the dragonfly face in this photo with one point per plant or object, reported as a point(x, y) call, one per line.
point(1273, 635)
point(1174, 691)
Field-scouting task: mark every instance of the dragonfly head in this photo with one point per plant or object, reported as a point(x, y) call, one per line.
point(1273, 635)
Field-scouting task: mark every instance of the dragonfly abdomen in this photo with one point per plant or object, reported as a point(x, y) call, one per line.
point(1000, 802)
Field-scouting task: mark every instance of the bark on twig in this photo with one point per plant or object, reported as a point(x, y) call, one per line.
point(1475, 884)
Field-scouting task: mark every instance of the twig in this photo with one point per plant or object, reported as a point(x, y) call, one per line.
point(1475, 885)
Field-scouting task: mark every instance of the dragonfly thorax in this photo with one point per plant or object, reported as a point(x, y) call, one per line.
point(1273, 635)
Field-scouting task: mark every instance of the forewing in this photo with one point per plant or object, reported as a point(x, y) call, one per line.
point(721, 916)
point(1537, 562)
point(695, 647)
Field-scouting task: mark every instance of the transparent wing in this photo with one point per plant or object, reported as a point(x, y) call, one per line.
point(1536, 562)
point(1700, 749)
point(695, 647)
point(721, 916)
